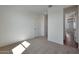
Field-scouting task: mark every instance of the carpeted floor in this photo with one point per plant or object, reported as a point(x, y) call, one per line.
point(41, 45)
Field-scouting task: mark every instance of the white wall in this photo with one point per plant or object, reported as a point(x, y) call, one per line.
point(55, 24)
point(17, 24)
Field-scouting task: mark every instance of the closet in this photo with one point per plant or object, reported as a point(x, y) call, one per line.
point(71, 26)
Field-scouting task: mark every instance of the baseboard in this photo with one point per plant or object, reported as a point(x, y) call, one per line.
point(18, 42)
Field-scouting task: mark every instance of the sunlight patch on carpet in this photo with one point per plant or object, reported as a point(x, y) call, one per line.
point(21, 47)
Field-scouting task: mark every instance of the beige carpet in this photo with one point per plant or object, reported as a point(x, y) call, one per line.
point(42, 46)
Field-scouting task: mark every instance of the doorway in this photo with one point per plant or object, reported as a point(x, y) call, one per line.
point(70, 29)
point(46, 25)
